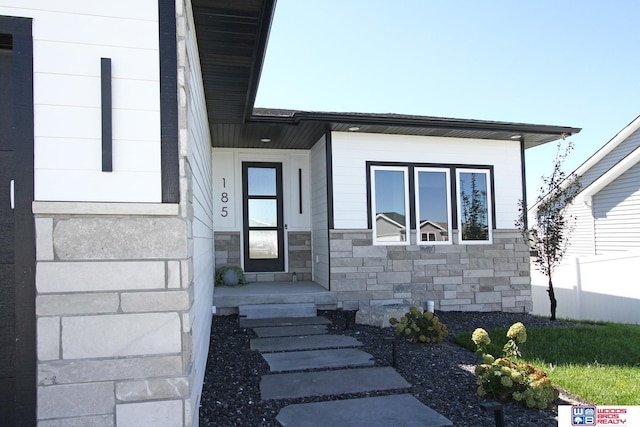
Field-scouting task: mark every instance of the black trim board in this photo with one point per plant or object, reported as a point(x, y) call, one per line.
point(329, 166)
point(523, 171)
point(168, 102)
point(20, 30)
point(107, 119)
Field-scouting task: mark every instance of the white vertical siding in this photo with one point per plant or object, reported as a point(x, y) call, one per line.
point(351, 151)
point(199, 161)
point(70, 37)
point(319, 214)
point(616, 211)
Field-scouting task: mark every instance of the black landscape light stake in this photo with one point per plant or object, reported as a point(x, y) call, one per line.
point(394, 351)
point(497, 409)
point(347, 318)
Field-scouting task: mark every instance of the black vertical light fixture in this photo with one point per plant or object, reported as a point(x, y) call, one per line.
point(107, 119)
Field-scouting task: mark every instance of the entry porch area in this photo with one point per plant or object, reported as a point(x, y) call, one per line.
point(226, 300)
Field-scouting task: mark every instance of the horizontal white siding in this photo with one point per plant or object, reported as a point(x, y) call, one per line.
point(581, 236)
point(612, 227)
point(319, 213)
point(351, 151)
point(70, 37)
point(199, 161)
point(617, 214)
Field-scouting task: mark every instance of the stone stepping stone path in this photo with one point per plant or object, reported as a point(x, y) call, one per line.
point(394, 410)
point(284, 321)
point(290, 331)
point(317, 359)
point(310, 342)
point(333, 367)
point(330, 383)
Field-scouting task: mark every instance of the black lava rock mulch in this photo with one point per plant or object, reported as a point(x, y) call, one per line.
point(441, 375)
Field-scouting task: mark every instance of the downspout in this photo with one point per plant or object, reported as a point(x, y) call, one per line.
point(524, 184)
point(578, 288)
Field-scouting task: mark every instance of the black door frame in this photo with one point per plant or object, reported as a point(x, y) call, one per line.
point(20, 30)
point(266, 265)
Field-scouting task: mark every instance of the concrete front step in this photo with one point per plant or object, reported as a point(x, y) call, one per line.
point(284, 321)
point(384, 411)
point(309, 342)
point(330, 383)
point(317, 359)
point(289, 331)
point(265, 311)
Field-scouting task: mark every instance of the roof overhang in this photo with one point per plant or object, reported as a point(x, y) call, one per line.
point(609, 176)
point(301, 129)
point(232, 41)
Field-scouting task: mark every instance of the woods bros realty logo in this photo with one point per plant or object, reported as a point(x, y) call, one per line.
point(587, 415)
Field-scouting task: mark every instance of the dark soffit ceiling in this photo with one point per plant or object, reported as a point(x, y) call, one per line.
point(288, 129)
point(232, 39)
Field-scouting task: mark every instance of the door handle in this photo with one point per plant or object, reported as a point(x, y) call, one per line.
point(12, 194)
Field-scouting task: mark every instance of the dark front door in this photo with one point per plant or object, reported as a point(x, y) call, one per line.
point(7, 233)
point(263, 227)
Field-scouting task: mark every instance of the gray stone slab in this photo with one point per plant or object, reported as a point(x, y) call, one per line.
point(290, 331)
point(309, 342)
point(265, 311)
point(284, 321)
point(317, 359)
point(384, 411)
point(329, 383)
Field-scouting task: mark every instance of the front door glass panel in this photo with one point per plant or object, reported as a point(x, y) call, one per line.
point(263, 217)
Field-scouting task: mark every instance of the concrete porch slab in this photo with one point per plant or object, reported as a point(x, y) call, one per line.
point(384, 411)
point(303, 343)
point(317, 359)
point(328, 383)
point(289, 331)
point(284, 321)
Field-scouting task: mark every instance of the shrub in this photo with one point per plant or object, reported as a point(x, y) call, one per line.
point(230, 275)
point(417, 326)
point(506, 378)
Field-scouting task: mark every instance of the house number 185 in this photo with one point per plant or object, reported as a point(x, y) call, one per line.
point(224, 198)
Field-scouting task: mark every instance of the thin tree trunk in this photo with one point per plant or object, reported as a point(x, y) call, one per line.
point(552, 299)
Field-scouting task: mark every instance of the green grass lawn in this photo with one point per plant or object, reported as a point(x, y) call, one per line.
point(600, 362)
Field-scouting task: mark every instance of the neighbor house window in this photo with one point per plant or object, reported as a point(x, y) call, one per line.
point(390, 203)
point(433, 209)
point(474, 207)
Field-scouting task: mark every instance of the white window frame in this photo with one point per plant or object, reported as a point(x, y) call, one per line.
point(405, 171)
point(416, 179)
point(487, 174)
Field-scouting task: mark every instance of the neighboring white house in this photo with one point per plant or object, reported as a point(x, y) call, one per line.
point(134, 164)
point(598, 278)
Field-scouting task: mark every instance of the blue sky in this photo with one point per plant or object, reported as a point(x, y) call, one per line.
point(554, 62)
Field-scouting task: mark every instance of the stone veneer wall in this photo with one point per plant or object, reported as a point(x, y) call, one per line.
point(227, 250)
point(493, 277)
point(112, 306)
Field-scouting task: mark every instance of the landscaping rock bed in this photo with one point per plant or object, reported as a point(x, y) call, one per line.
point(441, 375)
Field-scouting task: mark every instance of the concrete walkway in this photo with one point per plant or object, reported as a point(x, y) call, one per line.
point(332, 367)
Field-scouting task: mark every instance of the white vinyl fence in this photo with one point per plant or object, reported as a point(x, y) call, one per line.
point(599, 287)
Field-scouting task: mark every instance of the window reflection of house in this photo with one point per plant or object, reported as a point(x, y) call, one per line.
point(390, 227)
point(431, 231)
